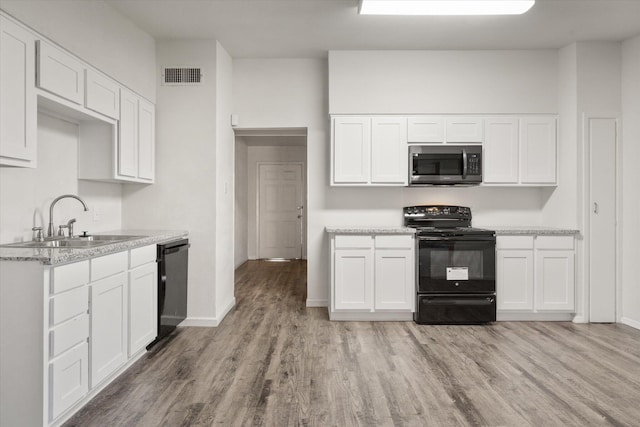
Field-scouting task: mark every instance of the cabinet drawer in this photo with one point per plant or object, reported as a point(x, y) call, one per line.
point(109, 265)
point(514, 242)
point(554, 242)
point(69, 334)
point(68, 380)
point(102, 94)
point(394, 242)
point(143, 255)
point(70, 276)
point(349, 241)
point(68, 305)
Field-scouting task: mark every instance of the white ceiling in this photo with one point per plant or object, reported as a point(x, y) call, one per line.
point(310, 28)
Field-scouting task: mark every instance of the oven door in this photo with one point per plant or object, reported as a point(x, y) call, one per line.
point(457, 264)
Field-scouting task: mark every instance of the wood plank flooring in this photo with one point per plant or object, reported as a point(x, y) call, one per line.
point(274, 362)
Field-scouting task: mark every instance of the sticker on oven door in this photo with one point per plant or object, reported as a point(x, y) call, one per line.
point(457, 273)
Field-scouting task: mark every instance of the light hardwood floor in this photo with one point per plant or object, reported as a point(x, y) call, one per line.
point(275, 362)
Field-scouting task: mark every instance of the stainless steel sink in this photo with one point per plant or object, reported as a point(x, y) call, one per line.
point(76, 242)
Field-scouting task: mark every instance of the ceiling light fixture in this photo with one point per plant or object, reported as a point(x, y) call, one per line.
point(444, 7)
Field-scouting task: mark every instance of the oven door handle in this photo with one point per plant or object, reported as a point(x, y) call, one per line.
point(456, 238)
point(464, 163)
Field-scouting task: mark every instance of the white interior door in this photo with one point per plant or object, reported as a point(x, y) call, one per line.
point(280, 210)
point(601, 137)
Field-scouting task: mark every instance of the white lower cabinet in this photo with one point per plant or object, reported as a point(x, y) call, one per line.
point(89, 320)
point(372, 277)
point(535, 277)
point(108, 338)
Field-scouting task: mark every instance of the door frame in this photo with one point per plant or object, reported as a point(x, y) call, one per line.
point(303, 231)
point(586, 214)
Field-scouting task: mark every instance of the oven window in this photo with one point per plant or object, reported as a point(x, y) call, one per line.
point(441, 259)
point(441, 164)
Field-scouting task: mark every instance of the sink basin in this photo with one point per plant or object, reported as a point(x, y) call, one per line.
point(76, 242)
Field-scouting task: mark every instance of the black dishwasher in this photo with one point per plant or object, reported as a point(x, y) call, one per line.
point(173, 261)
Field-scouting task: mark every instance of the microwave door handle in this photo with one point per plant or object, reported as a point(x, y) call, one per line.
point(464, 163)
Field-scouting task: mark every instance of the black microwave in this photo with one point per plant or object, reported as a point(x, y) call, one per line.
point(445, 164)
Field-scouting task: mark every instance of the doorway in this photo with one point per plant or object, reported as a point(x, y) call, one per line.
point(267, 218)
point(602, 207)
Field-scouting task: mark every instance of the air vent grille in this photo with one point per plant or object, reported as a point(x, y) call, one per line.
point(182, 76)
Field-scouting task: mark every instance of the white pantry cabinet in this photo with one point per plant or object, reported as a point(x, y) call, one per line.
point(81, 325)
point(369, 151)
point(372, 277)
point(59, 72)
point(535, 276)
point(18, 104)
point(520, 151)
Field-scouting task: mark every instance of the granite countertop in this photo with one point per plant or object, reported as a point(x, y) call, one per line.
point(54, 256)
point(531, 230)
point(369, 230)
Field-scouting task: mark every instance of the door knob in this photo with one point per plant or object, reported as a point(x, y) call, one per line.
point(595, 207)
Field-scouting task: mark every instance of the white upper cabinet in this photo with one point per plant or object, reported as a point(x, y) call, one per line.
point(60, 73)
point(102, 94)
point(425, 129)
point(389, 150)
point(463, 129)
point(351, 150)
point(445, 129)
point(18, 116)
point(146, 140)
point(538, 150)
point(501, 151)
point(136, 138)
point(520, 151)
point(369, 151)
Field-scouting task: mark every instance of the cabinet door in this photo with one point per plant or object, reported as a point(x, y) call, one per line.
point(146, 140)
point(538, 150)
point(102, 94)
point(389, 162)
point(18, 109)
point(394, 280)
point(108, 340)
point(143, 306)
point(500, 151)
point(351, 150)
point(128, 135)
point(514, 279)
point(68, 380)
point(353, 281)
point(461, 129)
point(425, 129)
point(60, 73)
point(555, 280)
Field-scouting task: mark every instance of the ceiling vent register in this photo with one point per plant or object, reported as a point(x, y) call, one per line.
point(179, 76)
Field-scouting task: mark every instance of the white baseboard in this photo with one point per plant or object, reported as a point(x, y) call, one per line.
point(580, 319)
point(534, 317)
point(630, 322)
point(317, 303)
point(208, 322)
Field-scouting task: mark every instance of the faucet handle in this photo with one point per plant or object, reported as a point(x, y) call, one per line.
point(61, 231)
point(70, 226)
point(37, 234)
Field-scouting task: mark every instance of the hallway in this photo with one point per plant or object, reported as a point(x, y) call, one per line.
point(275, 362)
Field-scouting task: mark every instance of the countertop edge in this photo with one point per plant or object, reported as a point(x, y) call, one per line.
point(57, 256)
point(525, 231)
point(369, 230)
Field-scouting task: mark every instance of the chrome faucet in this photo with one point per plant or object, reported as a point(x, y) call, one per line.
point(50, 230)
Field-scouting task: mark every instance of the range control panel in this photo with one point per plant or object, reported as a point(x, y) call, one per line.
point(438, 211)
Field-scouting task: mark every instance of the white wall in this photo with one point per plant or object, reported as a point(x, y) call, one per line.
point(224, 183)
point(385, 82)
point(268, 154)
point(26, 194)
point(98, 34)
point(241, 221)
point(631, 181)
point(184, 194)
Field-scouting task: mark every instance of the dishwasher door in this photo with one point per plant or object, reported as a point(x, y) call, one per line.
point(173, 261)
